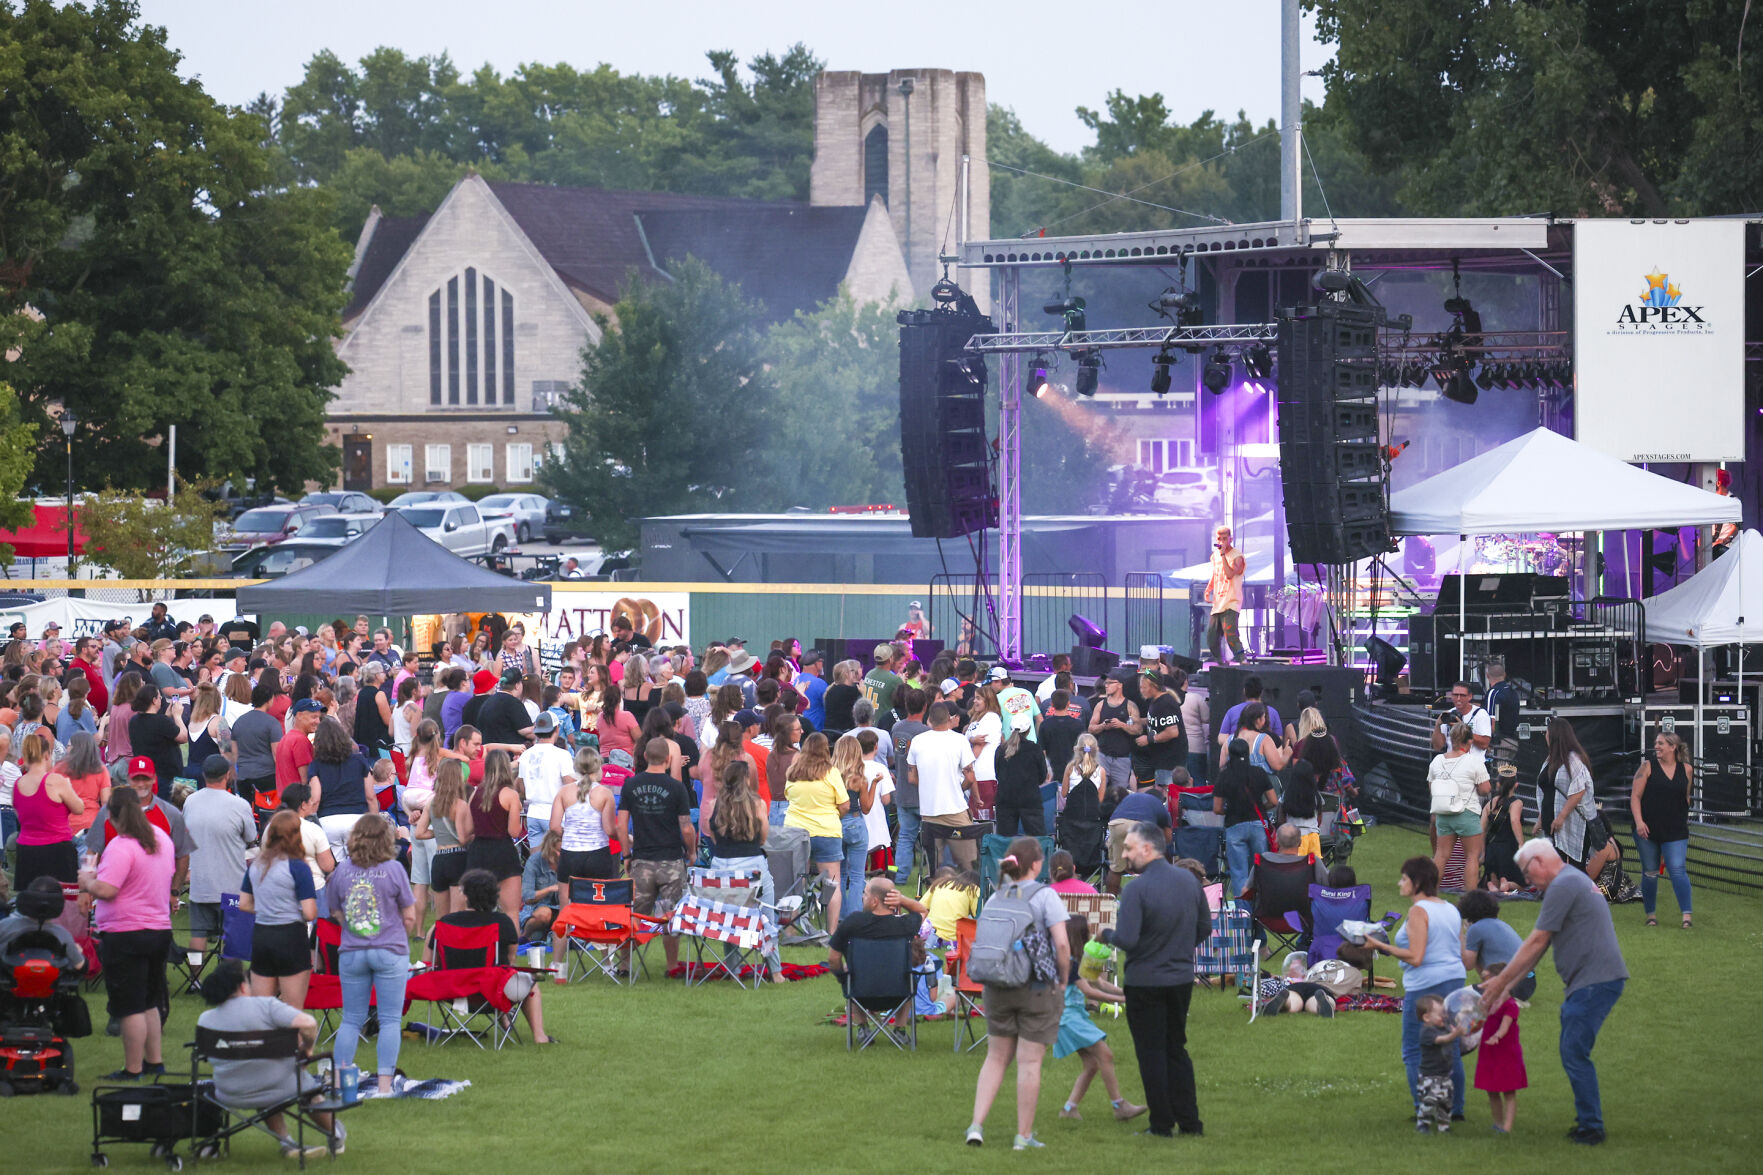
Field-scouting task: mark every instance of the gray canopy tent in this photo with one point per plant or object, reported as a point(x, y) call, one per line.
point(394, 570)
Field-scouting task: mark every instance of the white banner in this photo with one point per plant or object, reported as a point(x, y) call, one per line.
point(88, 617)
point(1659, 339)
point(663, 617)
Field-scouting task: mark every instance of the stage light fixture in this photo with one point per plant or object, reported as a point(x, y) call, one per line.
point(1038, 384)
point(1160, 373)
point(1456, 385)
point(1071, 310)
point(1088, 372)
point(1485, 378)
point(1216, 374)
point(1258, 362)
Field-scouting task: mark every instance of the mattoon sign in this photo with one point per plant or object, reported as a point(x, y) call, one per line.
point(1658, 339)
point(663, 617)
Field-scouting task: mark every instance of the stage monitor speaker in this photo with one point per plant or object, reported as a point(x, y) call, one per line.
point(1088, 662)
point(1338, 689)
point(1088, 632)
point(1332, 471)
point(944, 449)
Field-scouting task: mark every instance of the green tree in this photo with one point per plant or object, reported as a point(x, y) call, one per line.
point(673, 408)
point(18, 454)
point(176, 284)
point(837, 437)
point(146, 538)
point(1619, 108)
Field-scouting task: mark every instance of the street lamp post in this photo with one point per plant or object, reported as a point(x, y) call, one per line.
point(68, 424)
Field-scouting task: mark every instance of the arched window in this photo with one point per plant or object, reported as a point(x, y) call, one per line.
point(875, 164)
point(471, 343)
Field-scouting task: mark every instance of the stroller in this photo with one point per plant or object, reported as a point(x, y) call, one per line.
point(40, 1006)
point(795, 887)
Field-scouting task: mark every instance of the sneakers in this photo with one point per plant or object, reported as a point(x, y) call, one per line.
point(316, 1150)
point(1070, 1111)
point(1125, 1111)
point(121, 1075)
point(976, 1135)
point(153, 1068)
point(1026, 1142)
point(1587, 1137)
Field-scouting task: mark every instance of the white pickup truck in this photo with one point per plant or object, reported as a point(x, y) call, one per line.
point(460, 528)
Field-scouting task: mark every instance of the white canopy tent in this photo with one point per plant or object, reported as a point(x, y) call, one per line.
point(1711, 608)
point(1543, 481)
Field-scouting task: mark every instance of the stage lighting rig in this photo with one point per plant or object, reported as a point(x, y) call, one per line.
point(1089, 368)
point(1216, 374)
point(1072, 311)
point(1039, 386)
point(1258, 362)
point(1160, 373)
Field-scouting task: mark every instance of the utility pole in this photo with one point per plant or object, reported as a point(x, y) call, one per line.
point(1291, 116)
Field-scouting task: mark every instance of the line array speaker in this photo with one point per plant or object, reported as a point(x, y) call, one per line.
point(943, 445)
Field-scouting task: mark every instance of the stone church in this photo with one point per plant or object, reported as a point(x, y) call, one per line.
point(466, 326)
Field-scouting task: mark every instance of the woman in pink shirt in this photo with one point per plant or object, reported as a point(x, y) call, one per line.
point(1065, 878)
point(617, 729)
point(133, 887)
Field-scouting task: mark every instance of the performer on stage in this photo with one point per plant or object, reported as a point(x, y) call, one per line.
point(1224, 591)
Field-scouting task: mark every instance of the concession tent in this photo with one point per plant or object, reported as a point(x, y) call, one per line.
point(1711, 608)
point(1543, 481)
point(394, 570)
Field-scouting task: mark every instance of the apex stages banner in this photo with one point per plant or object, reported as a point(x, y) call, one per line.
point(1658, 339)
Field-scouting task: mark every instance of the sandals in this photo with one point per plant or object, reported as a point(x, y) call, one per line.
point(1652, 921)
point(1688, 922)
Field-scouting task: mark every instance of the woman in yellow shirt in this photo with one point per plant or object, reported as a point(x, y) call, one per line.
point(817, 798)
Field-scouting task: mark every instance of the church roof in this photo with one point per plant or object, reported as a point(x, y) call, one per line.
point(788, 257)
point(391, 239)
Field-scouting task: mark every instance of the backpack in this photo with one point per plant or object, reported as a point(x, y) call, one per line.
point(1001, 954)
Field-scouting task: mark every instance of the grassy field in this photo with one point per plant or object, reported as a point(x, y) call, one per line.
point(662, 1079)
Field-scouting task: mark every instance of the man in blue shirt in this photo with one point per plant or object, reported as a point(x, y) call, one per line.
point(1150, 806)
point(813, 687)
point(1227, 729)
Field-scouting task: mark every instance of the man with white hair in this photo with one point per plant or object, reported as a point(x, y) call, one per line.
point(1575, 920)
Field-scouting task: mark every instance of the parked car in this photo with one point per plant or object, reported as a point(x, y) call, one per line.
point(562, 522)
point(424, 497)
point(527, 510)
point(1193, 492)
point(338, 529)
point(238, 501)
point(344, 502)
point(266, 526)
point(592, 562)
point(279, 560)
point(460, 528)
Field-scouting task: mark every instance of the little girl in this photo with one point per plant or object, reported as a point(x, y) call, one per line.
point(1079, 1034)
point(952, 896)
point(1499, 1067)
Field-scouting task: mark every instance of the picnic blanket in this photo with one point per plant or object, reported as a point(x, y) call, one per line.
point(431, 1090)
point(792, 972)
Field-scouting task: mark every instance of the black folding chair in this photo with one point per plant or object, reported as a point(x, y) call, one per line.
point(271, 1044)
point(1280, 891)
point(932, 838)
point(880, 994)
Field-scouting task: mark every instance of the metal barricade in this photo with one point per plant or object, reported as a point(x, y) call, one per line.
point(1144, 609)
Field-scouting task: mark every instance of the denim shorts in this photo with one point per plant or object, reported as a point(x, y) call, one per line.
point(826, 850)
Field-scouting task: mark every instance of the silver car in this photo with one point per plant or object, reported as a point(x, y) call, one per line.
point(527, 511)
point(338, 529)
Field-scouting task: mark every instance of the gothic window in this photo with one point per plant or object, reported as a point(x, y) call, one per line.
point(465, 315)
point(875, 164)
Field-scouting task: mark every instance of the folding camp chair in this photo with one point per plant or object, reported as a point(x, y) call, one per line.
point(993, 849)
point(324, 991)
point(933, 837)
point(465, 987)
point(732, 932)
point(597, 926)
point(236, 929)
point(1328, 909)
point(1098, 909)
point(273, 1045)
point(796, 888)
point(880, 993)
point(1280, 891)
point(967, 992)
point(186, 977)
point(1229, 950)
point(1205, 845)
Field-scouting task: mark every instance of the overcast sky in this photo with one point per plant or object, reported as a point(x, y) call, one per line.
point(1048, 60)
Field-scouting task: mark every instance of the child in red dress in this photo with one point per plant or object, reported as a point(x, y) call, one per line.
point(1499, 1067)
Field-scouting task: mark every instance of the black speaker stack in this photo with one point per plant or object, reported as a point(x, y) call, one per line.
point(943, 445)
point(1337, 497)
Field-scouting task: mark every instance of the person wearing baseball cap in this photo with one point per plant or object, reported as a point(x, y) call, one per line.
point(293, 755)
point(144, 779)
point(503, 719)
point(1016, 705)
point(545, 769)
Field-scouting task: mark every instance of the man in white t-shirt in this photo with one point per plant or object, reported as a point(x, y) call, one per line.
point(1061, 664)
point(1017, 706)
point(545, 768)
point(1464, 710)
point(940, 763)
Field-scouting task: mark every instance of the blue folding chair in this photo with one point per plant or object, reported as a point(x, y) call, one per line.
point(1328, 909)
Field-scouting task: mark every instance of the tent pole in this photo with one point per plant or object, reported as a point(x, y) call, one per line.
point(1462, 607)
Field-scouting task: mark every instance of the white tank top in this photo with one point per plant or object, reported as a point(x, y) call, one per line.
point(582, 830)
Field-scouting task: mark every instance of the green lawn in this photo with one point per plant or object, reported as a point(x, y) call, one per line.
point(716, 1079)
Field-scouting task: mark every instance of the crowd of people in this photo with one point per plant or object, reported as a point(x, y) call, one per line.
point(335, 776)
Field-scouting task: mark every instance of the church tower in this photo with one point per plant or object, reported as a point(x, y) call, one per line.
point(899, 137)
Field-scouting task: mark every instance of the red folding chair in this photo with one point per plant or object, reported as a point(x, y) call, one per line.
point(598, 928)
point(324, 991)
point(967, 992)
point(466, 986)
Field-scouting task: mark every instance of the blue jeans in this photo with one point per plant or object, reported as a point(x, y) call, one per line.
point(536, 827)
point(1241, 843)
point(856, 844)
point(1050, 805)
point(779, 809)
point(1411, 1044)
point(1676, 853)
point(380, 972)
point(1199, 766)
point(1582, 1014)
point(906, 844)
